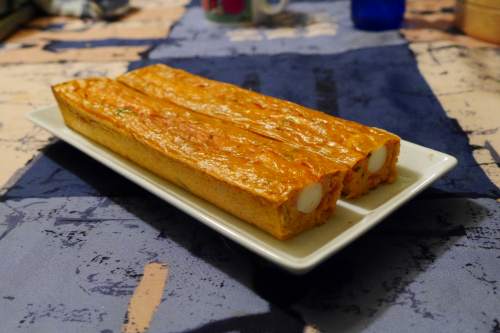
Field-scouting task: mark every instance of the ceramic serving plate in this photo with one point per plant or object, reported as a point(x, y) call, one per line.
point(418, 167)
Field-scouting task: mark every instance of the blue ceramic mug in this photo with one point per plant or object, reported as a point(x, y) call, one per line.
point(377, 14)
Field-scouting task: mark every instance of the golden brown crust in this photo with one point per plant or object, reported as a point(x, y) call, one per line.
point(343, 141)
point(255, 178)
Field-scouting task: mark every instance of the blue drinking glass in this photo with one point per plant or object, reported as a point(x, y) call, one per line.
point(377, 14)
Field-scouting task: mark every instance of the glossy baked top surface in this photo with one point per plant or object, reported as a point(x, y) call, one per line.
point(247, 160)
point(345, 140)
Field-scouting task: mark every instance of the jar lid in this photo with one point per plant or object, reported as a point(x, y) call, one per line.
point(494, 4)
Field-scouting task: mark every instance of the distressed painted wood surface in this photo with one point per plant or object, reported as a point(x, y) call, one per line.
point(84, 250)
point(464, 74)
point(53, 49)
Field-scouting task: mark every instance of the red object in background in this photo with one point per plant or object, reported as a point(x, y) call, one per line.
point(233, 6)
point(209, 4)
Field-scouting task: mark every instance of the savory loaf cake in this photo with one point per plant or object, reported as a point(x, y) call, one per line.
point(277, 187)
point(369, 153)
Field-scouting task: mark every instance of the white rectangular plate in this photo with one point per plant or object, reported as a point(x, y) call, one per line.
point(418, 167)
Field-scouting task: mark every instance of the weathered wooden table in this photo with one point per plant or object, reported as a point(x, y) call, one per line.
point(84, 250)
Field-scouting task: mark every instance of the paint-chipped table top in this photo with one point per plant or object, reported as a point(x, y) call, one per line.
point(84, 250)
